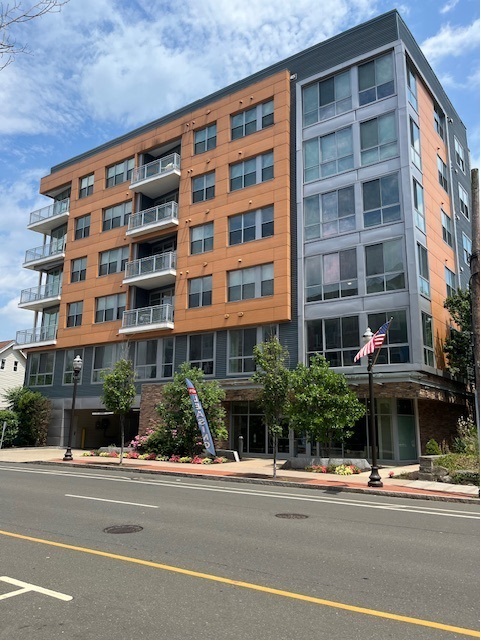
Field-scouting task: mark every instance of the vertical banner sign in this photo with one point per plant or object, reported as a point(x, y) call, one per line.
point(201, 419)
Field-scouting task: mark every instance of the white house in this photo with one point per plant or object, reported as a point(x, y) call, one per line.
point(12, 368)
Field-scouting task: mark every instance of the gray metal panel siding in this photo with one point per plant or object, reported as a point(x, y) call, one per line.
point(180, 353)
point(221, 354)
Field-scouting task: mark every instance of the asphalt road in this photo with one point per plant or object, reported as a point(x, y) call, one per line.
point(220, 560)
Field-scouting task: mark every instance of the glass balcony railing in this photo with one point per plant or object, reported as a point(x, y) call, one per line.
point(160, 216)
point(35, 294)
point(151, 265)
point(37, 335)
point(55, 209)
point(156, 315)
point(156, 168)
point(45, 251)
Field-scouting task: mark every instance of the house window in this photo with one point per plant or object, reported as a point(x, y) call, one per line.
point(450, 282)
point(378, 139)
point(395, 348)
point(15, 366)
point(328, 155)
point(74, 314)
point(105, 357)
point(447, 224)
point(418, 197)
point(252, 172)
point(241, 347)
point(376, 79)
point(113, 261)
point(467, 249)
point(116, 216)
point(329, 214)
point(252, 282)
point(203, 187)
point(442, 174)
point(459, 153)
point(2, 364)
point(205, 139)
point(82, 227)
point(337, 339)
point(252, 120)
point(120, 172)
point(68, 371)
point(78, 269)
point(109, 308)
point(86, 186)
point(463, 201)
point(252, 225)
point(428, 343)
point(412, 86)
point(41, 368)
point(439, 120)
point(415, 144)
point(143, 355)
point(200, 292)
point(384, 267)
point(381, 201)
point(202, 238)
point(326, 98)
point(423, 271)
point(331, 276)
point(201, 352)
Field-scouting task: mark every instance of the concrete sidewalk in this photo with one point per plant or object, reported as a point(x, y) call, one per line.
point(257, 470)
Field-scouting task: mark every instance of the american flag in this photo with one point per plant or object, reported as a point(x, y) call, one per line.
point(376, 341)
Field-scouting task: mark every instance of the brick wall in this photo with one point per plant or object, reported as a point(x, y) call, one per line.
point(438, 420)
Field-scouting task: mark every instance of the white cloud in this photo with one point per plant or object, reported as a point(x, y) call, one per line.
point(449, 6)
point(451, 42)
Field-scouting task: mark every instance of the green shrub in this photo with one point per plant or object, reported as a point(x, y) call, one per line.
point(466, 477)
point(466, 442)
point(432, 447)
point(11, 430)
point(33, 413)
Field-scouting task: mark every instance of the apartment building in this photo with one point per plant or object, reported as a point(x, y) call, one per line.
point(311, 200)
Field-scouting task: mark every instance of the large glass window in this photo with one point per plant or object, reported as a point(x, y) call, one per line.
point(384, 267)
point(116, 216)
point(41, 368)
point(467, 249)
point(205, 139)
point(201, 352)
point(203, 187)
point(113, 261)
point(463, 201)
point(252, 172)
point(78, 269)
point(241, 346)
point(447, 224)
point(74, 314)
point(450, 282)
point(328, 155)
point(105, 357)
point(337, 339)
point(109, 308)
point(329, 214)
point(86, 186)
point(439, 120)
point(251, 282)
point(423, 270)
point(200, 291)
point(68, 370)
point(251, 225)
point(428, 343)
point(120, 172)
point(201, 238)
point(412, 86)
point(327, 98)
point(376, 79)
point(395, 348)
point(381, 202)
point(252, 120)
point(459, 153)
point(378, 139)
point(418, 197)
point(442, 174)
point(82, 227)
point(143, 354)
point(415, 144)
point(331, 276)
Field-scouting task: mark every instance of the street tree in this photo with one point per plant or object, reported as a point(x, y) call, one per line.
point(272, 374)
point(32, 410)
point(458, 344)
point(321, 403)
point(118, 394)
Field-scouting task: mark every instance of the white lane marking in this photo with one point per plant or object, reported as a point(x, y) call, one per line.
point(29, 587)
point(93, 498)
point(432, 511)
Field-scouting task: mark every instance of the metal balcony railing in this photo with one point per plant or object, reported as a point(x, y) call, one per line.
point(56, 208)
point(50, 290)
point(36, 335)
point(44, 251)
point(151, 265)
point(168, 212)
point(156, 168)
point(155, 315)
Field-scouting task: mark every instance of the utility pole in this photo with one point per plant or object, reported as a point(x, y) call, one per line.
point(474, 283)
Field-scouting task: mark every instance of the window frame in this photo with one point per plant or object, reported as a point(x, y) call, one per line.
point(418, 203)
point(260, 335)
point(86, 185)
point(203, 297)
point(82, 230)
point(345, 351)
point(341, 162)
point(377, 149)
point(206, 241)
point(78, 266)
point(384, 209)
point(415, 140)
point(324, 215)
point(206, 191)
point(205, 138)
point(117, 308)
point(74, 313)
point(442, 173)
point(447, 228)
point(459, 155)
point(450, 278)
point(463, 201)
point(428, 339)
point(118, 256)
point(122, 217)
point(68, 371)
point(251, 120)
point(251, 280)
point(467, 248)
point(206, 347)
point(386, 276)
point(122, 171)
point(252, 171)
point(263, 225)
point(326, 288)
point(338, 105)
point(423, 271)
point(377, 89)
point(411, 83)
point(45, 364)
point(387, 353)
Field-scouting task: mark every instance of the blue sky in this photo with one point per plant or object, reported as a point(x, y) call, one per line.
point(99, 68)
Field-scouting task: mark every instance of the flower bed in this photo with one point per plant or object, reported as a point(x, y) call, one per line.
point(343, 469)
point(197, 460)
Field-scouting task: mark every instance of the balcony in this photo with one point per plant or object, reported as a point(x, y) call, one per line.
point(45, 219)
point(45, 257)
point(154, 219)
point(36, 298)
point(37, 337)
point(147, 319)
point(151, 272)
point(157, 177)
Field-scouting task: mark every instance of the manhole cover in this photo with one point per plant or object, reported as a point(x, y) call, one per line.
point(123, 529)
point(292, 516)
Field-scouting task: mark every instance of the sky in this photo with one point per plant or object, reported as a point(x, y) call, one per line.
point(100, 68)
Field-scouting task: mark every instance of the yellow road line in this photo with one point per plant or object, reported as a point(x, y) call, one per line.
point(251, 586)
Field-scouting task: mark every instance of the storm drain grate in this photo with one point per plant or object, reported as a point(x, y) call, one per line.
point(290, 515)
point(123, 529)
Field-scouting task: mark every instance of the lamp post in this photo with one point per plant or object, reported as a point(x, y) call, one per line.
point(77, 366)
point(374, 478)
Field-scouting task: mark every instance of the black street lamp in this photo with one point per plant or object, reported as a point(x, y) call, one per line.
point(77, 366)
point(374, 478)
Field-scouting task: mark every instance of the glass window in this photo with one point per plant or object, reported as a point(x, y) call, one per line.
point(205, 139)
point(86, 187)
point(201, 352)
point(74, 314)
point(119, 173)
point(384, 267)
point(82, 227)
point(252, 172)
point(412, 86)
point(69, 356)
point(252, 225)
point(439, 120)
point(423, 271)
point(337, 339)
point(463, 201)
point(78, 269)
point(143, 354)
point(467, 249)
point(418, 196)
point(252, 120)
point(116, 216)
point(395, 348)
point(200, 291)
point(327, 98)
point(447, 224)
point(442, 174)
point(109, 308)
point(415, 144)
point(329, 214)
point(251, 282)
point(428, 343)
point(328, 155)
point(459, 153)
point(203, 187)
point(378, 139)
point(450, 282)
point(381, 201)
point(376, 79)
point(241, 345)
point(41, 368)
point(331, 276)
point(105, 357)
point(202, 238)
point(113, 261)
